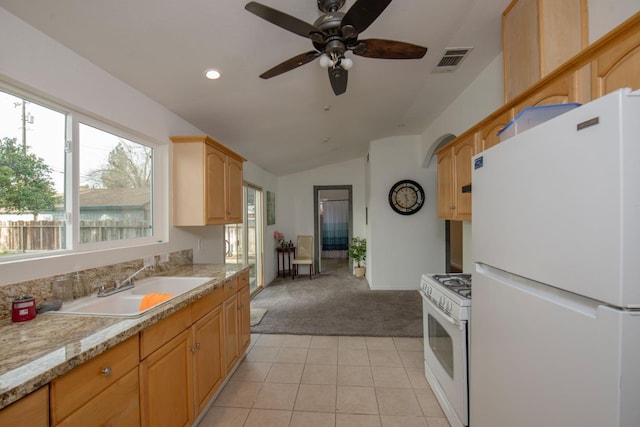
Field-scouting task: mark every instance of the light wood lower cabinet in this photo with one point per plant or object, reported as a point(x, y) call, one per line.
point(208, 363)
point(32, 410)
point(186, 358)
point(164, 376)
point(244, 318)
point(104, 390)
point(166, 384)
point(117, 406)
point(230, 309)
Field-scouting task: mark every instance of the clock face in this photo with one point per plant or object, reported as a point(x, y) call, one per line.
point(406, 197)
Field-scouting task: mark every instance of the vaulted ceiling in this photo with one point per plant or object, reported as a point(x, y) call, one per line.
point(293, 121)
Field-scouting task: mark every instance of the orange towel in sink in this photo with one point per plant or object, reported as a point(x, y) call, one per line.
point(150, 300)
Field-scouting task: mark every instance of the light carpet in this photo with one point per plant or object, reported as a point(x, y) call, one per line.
point(337, 303)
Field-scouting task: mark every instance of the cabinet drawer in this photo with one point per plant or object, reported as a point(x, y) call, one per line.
point(31, 410)
point(153, 337)
point(231, 287)
point(83, 383)
point(243, 280)
point(118, 405)
point(207, 303)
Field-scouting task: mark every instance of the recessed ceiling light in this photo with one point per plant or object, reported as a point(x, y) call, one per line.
point(212, 74)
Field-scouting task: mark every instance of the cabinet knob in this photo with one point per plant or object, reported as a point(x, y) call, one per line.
point(106, 371)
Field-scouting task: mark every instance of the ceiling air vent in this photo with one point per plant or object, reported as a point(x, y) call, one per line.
point(451, 59)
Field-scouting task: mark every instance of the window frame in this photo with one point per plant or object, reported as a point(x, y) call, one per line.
point(159, 186)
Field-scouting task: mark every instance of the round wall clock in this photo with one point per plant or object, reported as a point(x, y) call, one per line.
point(406, 197)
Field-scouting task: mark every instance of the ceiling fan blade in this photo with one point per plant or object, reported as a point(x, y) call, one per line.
point(338, 78)
point(389, 49)
point(281, 19)
point(363, 13)
point(290, 64)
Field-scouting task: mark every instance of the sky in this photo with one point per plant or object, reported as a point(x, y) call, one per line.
point(45, 135)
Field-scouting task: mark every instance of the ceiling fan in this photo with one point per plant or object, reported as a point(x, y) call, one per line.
point(333, 34)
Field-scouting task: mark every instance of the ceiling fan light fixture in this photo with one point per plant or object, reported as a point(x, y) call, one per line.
point(212, 74)
point(325, 61)
point(346, 63)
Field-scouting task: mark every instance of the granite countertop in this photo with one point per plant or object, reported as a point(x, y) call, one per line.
point(35, 352)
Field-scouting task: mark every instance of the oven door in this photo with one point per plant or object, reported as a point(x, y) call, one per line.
point(445, 355)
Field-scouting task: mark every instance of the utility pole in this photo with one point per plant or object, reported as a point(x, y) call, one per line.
point(24, 126)
point(25, 119)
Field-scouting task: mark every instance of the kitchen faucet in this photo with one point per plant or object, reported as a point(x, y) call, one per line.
point(121, 285)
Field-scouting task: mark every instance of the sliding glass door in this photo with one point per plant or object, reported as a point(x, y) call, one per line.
point(243, 242)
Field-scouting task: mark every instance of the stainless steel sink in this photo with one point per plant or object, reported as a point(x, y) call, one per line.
point(127, 303)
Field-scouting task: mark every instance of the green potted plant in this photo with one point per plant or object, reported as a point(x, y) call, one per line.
point(358, 252)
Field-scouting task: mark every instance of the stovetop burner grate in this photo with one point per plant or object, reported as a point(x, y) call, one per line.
point(458, 283)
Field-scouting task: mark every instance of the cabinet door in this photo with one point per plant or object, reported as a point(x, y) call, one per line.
point(230, 308)
point(166, 384)
point(31, 410)
point(244, 319)
point(521, 46)
point(118, 405)
point(463, 152)
point(208, 360)
point(77, 387)
point(617, 66)
point(445, 184)
point(234, 190)
point(215, 193)
point(489, 136)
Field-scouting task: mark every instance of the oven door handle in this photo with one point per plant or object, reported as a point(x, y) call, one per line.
point(448, 318)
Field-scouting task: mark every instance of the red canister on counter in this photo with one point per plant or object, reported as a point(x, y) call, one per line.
point(23, 309)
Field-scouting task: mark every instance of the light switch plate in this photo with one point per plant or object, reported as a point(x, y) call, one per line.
point(164, 258)
point(149, 261)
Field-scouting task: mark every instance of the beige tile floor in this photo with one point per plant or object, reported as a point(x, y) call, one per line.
point(318, 381)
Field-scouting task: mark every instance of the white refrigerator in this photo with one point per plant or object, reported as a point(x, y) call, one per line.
point(555, 315)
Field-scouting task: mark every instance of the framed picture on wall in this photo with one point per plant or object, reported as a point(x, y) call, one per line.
point(271, 208)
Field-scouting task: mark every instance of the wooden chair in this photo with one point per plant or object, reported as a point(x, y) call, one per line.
point(304, 255)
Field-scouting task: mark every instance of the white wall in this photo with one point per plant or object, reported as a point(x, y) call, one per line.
point(604, 16)
point(38, 64)
point(401, 247)
point(294, 199)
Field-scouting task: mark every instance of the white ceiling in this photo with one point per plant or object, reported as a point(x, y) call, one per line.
point(163, 47)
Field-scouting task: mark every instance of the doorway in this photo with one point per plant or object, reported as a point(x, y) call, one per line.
point(243, 242)
point(453, 233)
point(333, 226)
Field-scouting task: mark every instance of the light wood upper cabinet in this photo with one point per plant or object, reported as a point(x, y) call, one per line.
point(610, 63)
point(207, 182)
point(454, 179)
point(538, 36)
point(489, 131)
point(618, 66)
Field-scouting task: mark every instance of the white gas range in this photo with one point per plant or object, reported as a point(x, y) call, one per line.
point(446, 312)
